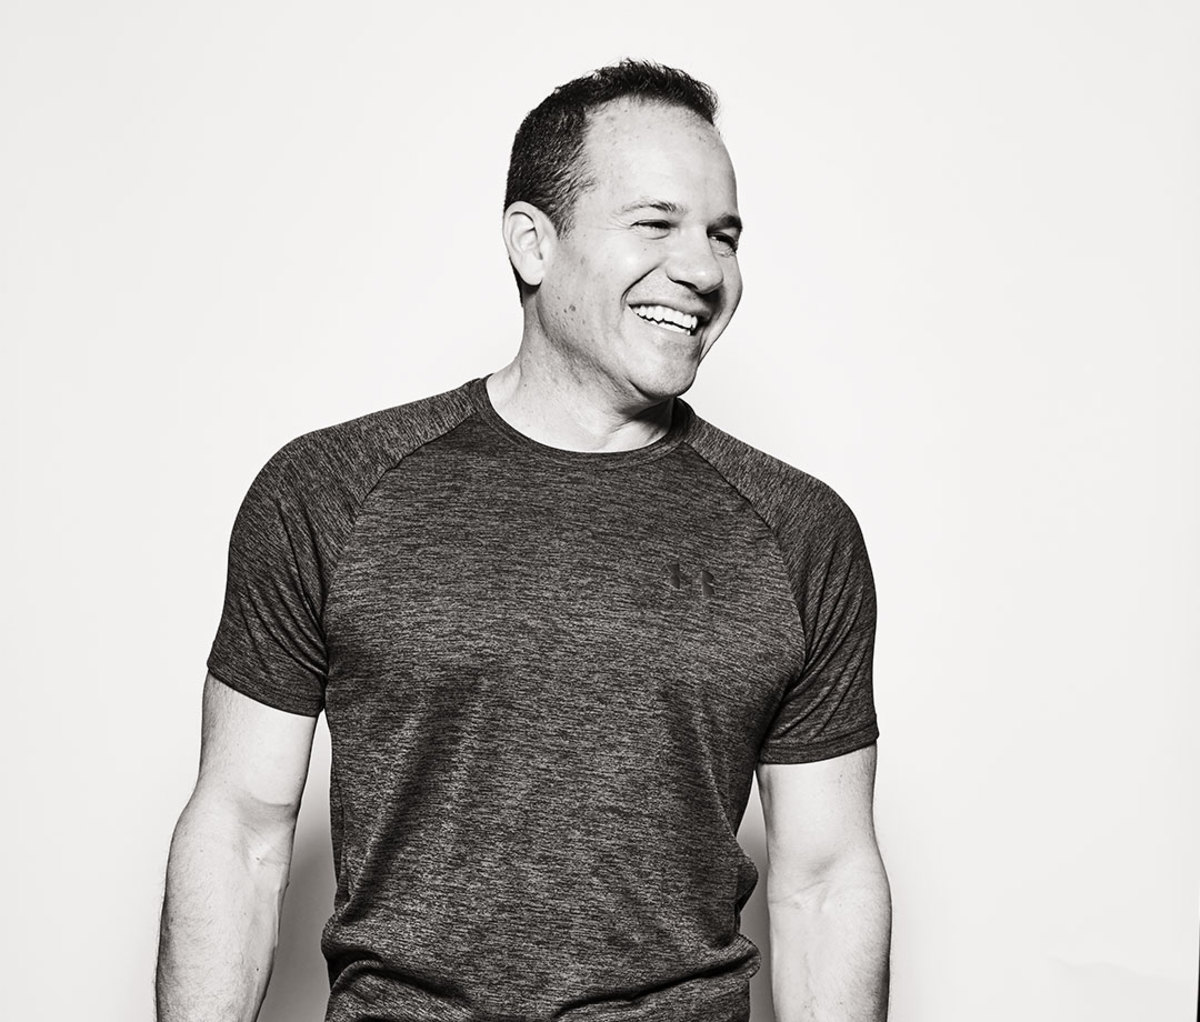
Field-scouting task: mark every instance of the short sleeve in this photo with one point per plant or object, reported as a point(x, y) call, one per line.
point(828, 707)
point(269, 643)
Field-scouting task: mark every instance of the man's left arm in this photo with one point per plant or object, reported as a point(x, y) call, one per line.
point(828, 897)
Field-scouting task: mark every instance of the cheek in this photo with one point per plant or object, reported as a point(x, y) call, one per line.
point(733, 285)
point(634, 262)
point(570, 310)
point(590, 293)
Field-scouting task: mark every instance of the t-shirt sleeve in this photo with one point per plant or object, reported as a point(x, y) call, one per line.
point(269, 644)
point(828, 707)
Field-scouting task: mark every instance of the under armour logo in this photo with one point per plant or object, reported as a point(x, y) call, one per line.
point(679, 580)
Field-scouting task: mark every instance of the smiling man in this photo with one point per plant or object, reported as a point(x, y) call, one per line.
point(557, 622)
point(626, 289)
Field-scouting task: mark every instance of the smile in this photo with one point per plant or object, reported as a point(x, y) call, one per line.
point(664, 316)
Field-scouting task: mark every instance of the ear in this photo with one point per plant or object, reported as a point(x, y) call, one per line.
point(529, 237)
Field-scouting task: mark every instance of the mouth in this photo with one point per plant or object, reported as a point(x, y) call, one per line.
point(668, 318)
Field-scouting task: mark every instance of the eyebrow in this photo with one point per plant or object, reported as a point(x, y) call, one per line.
point(728, 221)
point(662, 205)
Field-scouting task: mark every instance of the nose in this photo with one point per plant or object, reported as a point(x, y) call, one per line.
point(694, 264)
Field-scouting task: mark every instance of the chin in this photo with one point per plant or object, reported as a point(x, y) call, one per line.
point(666, 383)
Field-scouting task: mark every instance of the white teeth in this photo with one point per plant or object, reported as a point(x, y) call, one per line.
point(666, 316)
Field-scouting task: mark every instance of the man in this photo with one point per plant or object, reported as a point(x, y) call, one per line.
point(556, 621)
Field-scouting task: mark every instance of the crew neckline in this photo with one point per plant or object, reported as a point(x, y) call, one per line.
point(682, 417)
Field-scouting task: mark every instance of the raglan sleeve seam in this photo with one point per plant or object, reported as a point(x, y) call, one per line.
point(780, 558)
point(853, 701)
point(385, 466)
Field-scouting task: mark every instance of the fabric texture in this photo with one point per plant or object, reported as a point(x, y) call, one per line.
point(548, 677)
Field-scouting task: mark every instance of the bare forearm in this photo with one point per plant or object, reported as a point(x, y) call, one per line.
point(829, 949)
point(220, 916)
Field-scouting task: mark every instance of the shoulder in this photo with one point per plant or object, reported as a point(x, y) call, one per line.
point(352, 455)
point(789, 499)
point(815, 531)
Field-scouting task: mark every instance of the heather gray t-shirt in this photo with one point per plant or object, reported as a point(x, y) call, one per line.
point(548, 677)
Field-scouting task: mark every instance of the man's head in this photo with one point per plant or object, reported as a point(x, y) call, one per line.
point(547, 168)
point(621, 223)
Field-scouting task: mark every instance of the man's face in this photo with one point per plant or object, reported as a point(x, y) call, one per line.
point(641, 286)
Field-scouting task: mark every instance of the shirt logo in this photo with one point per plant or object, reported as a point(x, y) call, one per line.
point(679, 580)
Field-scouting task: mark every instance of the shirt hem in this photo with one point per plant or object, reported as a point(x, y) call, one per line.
point(253, 689)
point(816, 752)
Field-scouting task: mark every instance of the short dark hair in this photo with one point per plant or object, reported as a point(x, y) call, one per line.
point(547, 167)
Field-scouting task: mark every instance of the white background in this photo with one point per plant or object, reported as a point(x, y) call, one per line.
point(973, 237)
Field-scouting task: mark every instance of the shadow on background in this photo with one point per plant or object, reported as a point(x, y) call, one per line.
point(300, 983)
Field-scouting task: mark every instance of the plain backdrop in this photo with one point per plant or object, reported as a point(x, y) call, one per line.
point(971, 263)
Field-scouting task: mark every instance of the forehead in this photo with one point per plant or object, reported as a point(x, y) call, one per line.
point(657, 150)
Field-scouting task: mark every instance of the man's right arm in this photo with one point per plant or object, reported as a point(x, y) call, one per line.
point(229, 860)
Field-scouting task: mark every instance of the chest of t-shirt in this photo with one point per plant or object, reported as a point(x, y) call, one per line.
point(646, 601)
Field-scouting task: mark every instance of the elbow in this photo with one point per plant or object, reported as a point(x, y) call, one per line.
point(252, 837)
point(831, 885)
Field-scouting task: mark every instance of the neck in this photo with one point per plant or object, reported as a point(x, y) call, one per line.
point(561, 405)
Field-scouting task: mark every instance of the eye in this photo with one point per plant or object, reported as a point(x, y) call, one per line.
point(725, 242)
point(656, 228)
